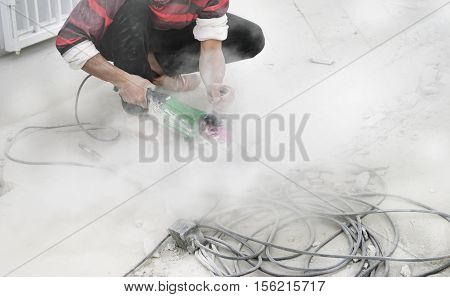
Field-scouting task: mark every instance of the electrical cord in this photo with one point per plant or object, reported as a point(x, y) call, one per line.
point(353, 213)
point(268, 244)
point(34, 129)
point(85, 127)
point(81, 125)
point(150, 255)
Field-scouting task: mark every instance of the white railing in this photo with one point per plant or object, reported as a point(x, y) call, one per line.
point(26, 22)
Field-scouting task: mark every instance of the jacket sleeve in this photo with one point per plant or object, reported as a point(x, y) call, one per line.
point(85, 25)
point(212, 22)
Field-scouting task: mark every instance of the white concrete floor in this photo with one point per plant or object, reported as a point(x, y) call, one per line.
point(384, 103)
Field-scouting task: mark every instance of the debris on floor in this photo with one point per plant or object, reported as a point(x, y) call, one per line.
point(405, 271)
point(321, 61)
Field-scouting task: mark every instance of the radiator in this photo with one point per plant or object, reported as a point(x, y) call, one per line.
point(26, 22)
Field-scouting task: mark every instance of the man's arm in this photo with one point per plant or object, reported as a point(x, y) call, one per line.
point(211, 29)
point(212, 66)
point(132, 88)
point(75, 42)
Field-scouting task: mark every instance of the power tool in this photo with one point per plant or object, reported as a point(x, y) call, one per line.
point(186, 120)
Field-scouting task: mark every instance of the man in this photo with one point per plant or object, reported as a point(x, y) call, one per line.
point(153, 42)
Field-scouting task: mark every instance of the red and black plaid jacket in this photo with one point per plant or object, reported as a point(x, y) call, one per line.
point(90, 19)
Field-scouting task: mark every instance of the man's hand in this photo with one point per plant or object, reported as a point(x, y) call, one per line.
point(133, 89)
point(220, 96)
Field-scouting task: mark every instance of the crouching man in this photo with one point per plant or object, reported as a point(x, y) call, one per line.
point(157, 43)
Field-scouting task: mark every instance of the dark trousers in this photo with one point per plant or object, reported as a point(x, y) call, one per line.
point(131, 37)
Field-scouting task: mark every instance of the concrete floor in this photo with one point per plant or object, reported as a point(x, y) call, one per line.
point(384, 103)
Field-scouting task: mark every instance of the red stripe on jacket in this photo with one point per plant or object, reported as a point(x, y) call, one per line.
point(100, 11)
point(60, 41)
point(173, 18)
point(216, 7)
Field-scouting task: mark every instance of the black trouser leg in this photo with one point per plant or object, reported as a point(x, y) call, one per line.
point(245, 40)
point(127, 40)
point(178, 52)
point(126, 43)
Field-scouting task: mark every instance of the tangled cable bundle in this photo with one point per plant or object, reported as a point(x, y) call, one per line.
point(301, 229)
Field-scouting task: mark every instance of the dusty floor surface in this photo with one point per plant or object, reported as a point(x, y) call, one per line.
point(384, 103)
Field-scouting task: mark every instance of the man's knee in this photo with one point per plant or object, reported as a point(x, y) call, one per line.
point(258, 41)
point(246, 39)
